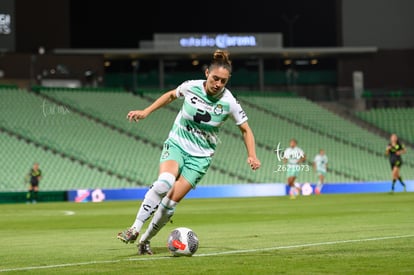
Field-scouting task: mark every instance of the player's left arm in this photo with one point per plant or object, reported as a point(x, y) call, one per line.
point(249, 142)
point(404, 149)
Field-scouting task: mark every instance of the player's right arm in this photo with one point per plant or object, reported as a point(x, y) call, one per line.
point(163, 100)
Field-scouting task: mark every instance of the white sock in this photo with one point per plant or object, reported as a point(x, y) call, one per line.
point(298, 187)
point(163, 214)
point(293, 191)
point(147, 208)
point(319, 186)
point(152, 199)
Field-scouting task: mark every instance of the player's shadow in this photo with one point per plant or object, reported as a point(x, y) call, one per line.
point(161, 250)
point(158, 251)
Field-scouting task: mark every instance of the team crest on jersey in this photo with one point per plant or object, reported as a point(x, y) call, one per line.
point(218, 110)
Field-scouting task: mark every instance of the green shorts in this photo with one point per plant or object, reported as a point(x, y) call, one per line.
point(190, 167)
point(292, 170)
point(292, 174)
point(321, 172)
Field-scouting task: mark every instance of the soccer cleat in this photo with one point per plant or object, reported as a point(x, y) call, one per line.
point(144, 248)
point(128, 236)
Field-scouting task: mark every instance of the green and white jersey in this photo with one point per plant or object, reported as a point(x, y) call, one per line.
point(293, 155)
point(197, 124)
point(321, 162)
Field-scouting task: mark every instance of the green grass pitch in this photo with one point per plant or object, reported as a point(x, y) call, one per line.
point(327, 234)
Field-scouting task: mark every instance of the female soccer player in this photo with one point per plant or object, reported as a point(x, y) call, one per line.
point(394, 150)
point(320, 166)
point(190, 145)
point(293, 156)
point(34, 177)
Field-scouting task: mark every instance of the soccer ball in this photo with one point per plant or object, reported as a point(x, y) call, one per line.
point(307, 189)
point(182, 241)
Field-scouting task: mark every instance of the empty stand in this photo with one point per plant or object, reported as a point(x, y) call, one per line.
point(392, 120)
point(86, 136)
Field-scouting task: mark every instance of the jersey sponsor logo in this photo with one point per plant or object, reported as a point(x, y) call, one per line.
point(243, 114)
point(200, 104)
point(195, 100)
point(197, 131)
point(202, 115)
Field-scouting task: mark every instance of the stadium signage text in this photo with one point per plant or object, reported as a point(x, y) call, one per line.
point(220, 40)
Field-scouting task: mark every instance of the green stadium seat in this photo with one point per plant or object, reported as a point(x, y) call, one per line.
point(96, 132)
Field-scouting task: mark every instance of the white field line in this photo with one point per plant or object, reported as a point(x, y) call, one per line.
point(208, 254)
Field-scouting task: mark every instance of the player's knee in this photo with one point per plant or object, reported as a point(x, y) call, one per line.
point(164, 183)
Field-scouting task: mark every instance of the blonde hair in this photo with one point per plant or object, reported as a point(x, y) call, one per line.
point(221, 59)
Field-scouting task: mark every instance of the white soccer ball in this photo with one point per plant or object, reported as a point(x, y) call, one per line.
point(307, 189)
point(182, 241)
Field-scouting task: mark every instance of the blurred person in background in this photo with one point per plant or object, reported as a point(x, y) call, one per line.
point(33, 178)
point(394, 150)
point(293, 156)
point(320, 166)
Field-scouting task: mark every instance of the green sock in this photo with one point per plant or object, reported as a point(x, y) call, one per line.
point(35, 195)
point(401, 181)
